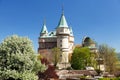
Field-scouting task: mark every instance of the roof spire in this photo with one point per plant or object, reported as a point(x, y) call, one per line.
point(62, 22)
point(44, 28)
point(44, 22)
point(62, 9)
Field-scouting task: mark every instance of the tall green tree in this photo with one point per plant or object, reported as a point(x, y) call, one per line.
point(109, 56)
point(81, 58)
point(18, 60)
point(55, 55)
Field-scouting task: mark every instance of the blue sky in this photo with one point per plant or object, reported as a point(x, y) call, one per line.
point(98, 19)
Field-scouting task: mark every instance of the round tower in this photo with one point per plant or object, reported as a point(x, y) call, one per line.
point(88, 42)
point(63, 33)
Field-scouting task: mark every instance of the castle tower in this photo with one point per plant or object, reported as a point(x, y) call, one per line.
point(44, 30)
point(63, 34)
point(47, 41)
point(43, 35)
point(71, 42)
point(88, 42)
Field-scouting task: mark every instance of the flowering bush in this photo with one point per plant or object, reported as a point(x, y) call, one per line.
point(18, 60)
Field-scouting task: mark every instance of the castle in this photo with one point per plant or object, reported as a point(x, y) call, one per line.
point(62, 37)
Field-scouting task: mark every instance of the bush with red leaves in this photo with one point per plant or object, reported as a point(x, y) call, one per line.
point(49, 73)
point(44, 61)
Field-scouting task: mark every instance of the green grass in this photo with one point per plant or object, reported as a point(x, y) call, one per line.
point(110, 78)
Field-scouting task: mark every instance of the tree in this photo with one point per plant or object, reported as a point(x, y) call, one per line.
point(55, 55)
point(18, 60)
point(49, 72)
point(81, 58)
point(109, 56)
point(43, 60)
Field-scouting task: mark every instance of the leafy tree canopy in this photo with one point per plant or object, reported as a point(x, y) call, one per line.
point(109, 56)
point(81, 58)
point(56, 53)
point(18, 60)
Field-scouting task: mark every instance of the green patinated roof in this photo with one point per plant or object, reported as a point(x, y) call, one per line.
point(62, 22)
point(88, 40)
point(52, 34)
point(71, 32)
point(44, 28)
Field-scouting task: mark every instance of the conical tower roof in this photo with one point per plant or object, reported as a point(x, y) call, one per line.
point(71, 32)
point(44, 28)
point(62, 22)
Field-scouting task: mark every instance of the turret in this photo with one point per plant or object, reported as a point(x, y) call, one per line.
point(88, 42)
point(44, 31)
point(62, 28)
point(71, 32)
